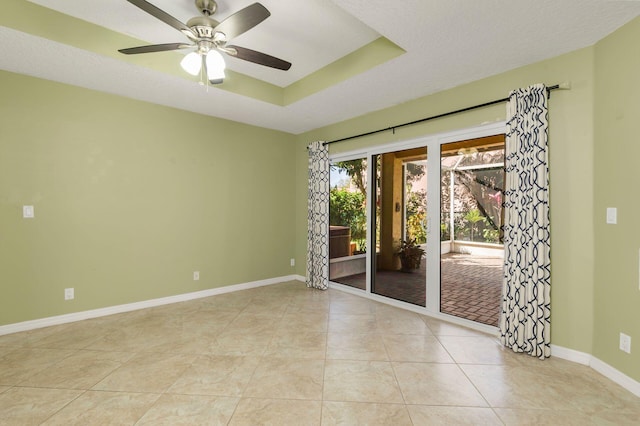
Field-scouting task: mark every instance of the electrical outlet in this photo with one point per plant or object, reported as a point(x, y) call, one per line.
point(293, 262)
point(625, 343)
point(196, 275)
point(69, 294)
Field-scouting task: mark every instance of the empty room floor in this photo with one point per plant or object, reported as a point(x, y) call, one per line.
point(288, 355)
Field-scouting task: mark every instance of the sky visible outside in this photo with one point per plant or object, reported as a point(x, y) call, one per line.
point(338, 177)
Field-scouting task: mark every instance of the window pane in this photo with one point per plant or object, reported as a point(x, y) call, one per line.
point(348, 223)
point(472, 256)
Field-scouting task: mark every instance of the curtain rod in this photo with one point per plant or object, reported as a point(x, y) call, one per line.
point(565, 85)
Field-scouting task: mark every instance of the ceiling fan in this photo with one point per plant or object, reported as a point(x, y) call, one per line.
point(210, 37)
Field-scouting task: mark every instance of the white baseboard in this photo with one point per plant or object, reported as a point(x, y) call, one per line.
point(617, 376)
point(110, 310)
point(600, 366)
point(300, 278)
point(571, 355)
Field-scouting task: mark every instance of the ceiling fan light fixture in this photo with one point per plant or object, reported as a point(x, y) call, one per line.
point(191, 63)
point(215, 65)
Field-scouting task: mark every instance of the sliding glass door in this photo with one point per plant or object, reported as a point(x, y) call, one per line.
point(399, 225)
point(420, 222)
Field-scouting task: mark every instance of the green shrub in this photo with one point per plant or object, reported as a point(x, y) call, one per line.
point(349, 209)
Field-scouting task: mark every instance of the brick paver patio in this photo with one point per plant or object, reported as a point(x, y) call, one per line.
point(471, 286)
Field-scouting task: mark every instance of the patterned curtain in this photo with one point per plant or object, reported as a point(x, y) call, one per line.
point(525, 318)
point(318, 217)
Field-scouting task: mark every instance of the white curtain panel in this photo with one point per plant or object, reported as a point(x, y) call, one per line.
point(525, 318)
point(318, 217)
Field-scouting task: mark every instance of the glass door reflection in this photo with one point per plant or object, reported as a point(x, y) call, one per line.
point(400, 225)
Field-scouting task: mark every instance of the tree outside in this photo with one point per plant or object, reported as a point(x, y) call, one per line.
point(347, 201)
point(416, 202)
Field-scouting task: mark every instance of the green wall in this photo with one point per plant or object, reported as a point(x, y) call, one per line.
point(130, 198)
point(571, 170)
point(617, 151)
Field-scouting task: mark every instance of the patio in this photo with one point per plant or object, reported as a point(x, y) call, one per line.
point(471, 286)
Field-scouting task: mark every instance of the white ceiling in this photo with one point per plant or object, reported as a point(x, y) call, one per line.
point(447, 43)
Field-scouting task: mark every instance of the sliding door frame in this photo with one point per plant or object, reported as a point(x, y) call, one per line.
point(433, 145)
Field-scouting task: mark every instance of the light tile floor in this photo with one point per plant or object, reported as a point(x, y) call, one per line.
point(288, 355)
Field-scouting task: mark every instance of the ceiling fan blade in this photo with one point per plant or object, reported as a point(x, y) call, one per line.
point(154, 48)
point(257, 57)
point(243, 20)
point(164, 17)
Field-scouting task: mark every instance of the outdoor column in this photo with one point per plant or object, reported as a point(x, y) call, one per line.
point(391, 212)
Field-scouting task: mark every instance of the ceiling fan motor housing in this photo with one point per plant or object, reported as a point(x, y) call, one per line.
point(203, 26)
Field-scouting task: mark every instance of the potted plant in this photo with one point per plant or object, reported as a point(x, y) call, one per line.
point(410, 255)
